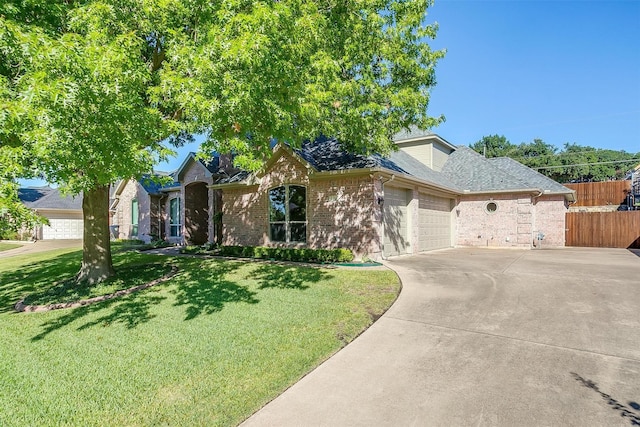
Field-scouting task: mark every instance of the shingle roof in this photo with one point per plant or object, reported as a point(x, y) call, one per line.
point(48, 198)
point(465, 170)
point(326, 154)
point(471, 171)
point(532, 177)
point(212, 164)
point(152, 185)
point(420, 171)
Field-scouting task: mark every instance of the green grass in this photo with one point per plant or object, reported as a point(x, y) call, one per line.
point(7, 246)
point(208, 347)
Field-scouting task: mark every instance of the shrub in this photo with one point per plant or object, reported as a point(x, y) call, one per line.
point(288, 254)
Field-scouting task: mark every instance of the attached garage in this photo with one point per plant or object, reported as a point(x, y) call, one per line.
point(62, 229)
point(396, 221)
point(434, 222)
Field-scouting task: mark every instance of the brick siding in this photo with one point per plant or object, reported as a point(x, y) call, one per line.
point(515, 223)
point(340, 212)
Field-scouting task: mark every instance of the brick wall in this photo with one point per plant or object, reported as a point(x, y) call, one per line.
point(509, 226)
point(340, 212)
point(550, 215)
point(515, 223)
point(122, 217)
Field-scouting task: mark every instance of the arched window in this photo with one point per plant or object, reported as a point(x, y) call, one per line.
point(288, 213)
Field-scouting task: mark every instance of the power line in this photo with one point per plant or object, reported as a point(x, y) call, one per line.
point(587, 164)
point(568, 153)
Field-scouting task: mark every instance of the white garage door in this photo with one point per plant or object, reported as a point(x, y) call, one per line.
point(63, 229)
point(395, 221)
point(434, 222)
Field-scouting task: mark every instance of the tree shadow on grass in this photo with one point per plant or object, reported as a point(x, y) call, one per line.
point(132, 310)
point(31, 278)
point(201, 288)
point(206, 290)
point(286, 276)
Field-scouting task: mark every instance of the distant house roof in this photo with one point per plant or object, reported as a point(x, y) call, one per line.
point(464, 171)
point(48, 198)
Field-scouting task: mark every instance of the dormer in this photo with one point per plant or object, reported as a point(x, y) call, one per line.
point(428, 148)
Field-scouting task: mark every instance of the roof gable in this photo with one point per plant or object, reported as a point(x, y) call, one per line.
point(211, 166)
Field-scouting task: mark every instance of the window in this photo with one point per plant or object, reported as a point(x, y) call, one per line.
point(288, 213)
point(134, 217)
point(174, 218)
point(491, 207)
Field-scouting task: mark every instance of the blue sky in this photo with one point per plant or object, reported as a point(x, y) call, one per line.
point(562, 71)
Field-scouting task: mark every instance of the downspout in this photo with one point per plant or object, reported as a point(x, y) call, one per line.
point(382, 221)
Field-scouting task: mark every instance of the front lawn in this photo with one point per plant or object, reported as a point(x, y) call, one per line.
point(208, 347)
point(6, 246)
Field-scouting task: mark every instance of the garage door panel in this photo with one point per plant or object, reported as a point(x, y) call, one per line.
point(63, 229)
point(434, 222)
point(395, 221)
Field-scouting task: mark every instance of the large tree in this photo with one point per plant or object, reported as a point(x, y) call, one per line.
point(90, 89)
point(494, 146)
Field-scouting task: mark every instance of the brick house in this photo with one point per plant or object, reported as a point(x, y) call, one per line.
point(137, 209)
point(182, 211)
point(427, 195)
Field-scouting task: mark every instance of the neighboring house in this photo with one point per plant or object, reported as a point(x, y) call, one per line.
point(428, 195)
point(63, 212)
point(635, 186)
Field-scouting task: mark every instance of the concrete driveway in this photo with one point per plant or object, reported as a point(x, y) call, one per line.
point(41, 246)
point(487, 337)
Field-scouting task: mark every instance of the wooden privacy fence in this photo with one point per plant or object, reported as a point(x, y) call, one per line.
point(600, 193)
point(603, 229)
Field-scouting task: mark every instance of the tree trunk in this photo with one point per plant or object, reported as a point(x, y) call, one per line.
point(96, 247)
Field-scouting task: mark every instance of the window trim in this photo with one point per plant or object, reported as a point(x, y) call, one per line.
point(287, 219)
point(491, 211)
point(178, 224)
point(135, 217)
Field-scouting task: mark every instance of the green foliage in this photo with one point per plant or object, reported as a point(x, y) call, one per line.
point(15, 217)
point(288, 254)
point(90, 88)
point(93, 91)
point(571, 163)
point(494, 146)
